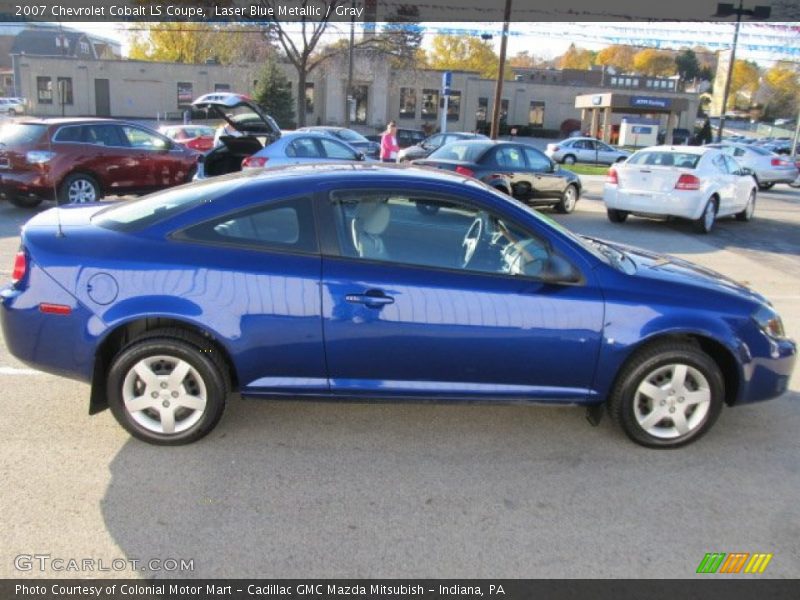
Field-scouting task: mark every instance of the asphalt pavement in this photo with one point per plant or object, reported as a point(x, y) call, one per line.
point(311, 489)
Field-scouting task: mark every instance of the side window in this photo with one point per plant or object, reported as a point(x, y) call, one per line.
point(435, 141)
point(336, 150)
point(731, 164)
point(431, 231)
point(104, 135)
point(581, 145)
point(303, 148)
point(69, 134)
point(719, 163)
point(287, 225)
point(509, 157)
point(141, 139)
point(603, 148)
point(738, 152)
point(536, 160)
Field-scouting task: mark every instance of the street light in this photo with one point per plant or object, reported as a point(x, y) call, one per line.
point(727, 10)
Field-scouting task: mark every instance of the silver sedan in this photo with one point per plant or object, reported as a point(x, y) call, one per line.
point(585, 149)
point(768, 168)
point(302, 147)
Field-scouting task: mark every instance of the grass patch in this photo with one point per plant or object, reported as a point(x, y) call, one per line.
point(586, 169)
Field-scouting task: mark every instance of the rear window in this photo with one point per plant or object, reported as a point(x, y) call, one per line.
point(136, 214)
point(351, 136)
point(14, 134)
point(461, 151)
point(684, 160)
point(759, 150)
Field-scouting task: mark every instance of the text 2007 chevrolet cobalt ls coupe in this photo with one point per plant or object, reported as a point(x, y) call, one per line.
point(327, 282)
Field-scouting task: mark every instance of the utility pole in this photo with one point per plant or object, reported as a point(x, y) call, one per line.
point(349, 90)
point(498, 89)
point(726, 10)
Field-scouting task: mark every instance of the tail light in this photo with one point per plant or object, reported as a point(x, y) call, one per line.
point(555, 148)
point(38, 157)
point(254, 162)
point(778, 162)
point(688, 182)
point(612, 177)
point(465, 171)
point(20, 267)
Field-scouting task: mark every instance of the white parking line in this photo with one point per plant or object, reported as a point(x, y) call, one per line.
point(15, 371)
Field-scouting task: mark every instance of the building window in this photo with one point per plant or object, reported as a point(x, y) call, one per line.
point(309, 97)
point(64, 86)
point(483, 110)
point(614, 81)
point(635, 82)
point(222, 87)
point(85, 48)
point(408, 103)
point(536, 114)
point(454, 106)
point(649, 83)
point(44, 90)
point(430, 104)
point(185, 94)
point(359, 109)
point(504, 109)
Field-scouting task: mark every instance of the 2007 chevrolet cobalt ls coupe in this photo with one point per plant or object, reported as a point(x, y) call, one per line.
point(340, 282)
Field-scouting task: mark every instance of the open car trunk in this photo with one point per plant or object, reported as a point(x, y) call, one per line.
point(228, 157)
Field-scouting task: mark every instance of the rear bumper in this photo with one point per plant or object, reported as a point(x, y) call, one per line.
point(785, 175)
point(683, 204)
point(26, 184)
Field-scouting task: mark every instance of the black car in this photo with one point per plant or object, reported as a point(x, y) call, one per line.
point(405, 137)
point(513, 168)
point(352, 138)
point(680, 137)
point(433, 143)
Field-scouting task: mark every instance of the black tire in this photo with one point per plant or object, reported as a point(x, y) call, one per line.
point(569, 159)
point(83, 188)
point(569, 199)
point(706, 221)
point(765, 186)
point(749, 209)
point(626, 402)
point(23, 202)
point(502, 190)
point(616, 216)
point(208, 374)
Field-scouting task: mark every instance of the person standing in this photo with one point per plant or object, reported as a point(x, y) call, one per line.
point(389, 147)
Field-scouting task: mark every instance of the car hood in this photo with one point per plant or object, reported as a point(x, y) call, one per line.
point(671, 269)
point(240, 112)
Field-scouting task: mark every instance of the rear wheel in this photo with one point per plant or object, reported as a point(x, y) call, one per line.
point(706, 221)
point(668, 395)
point(616, 216)
point(23, 202)
point(79, 188)
point(749, 209)
point(568, 200)
point(569, 159)
point(167, 390)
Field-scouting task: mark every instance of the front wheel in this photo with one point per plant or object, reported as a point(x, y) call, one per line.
point(706, 221)
point(166, 390)
point(749, 209)
point(765, 186)
point(568, 200)
point(616, 216)
point(79, 189)
point(24, 202)
point(668, 395)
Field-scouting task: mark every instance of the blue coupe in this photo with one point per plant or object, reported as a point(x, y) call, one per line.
point(381, 283)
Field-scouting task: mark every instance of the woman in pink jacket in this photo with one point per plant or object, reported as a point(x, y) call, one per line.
point(389, 145)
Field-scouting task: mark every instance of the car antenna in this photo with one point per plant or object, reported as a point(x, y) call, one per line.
point(59, 230)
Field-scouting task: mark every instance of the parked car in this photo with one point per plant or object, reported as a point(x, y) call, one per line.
point(513, 168)
point(247, 130)
point(196, 137)
point(585, 149)
point(82, 160)
point(12, 106)
point(433, 143)
point(405, 137)
point(301, 147)
point(768, 168)
point(796, 182)
point(680, 136)
point(350, 137)
point(339, 288)
point(696, 183)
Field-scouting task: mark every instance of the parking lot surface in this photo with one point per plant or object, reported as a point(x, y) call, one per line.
point(291, 489)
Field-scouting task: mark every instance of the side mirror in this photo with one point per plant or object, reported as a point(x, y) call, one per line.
point(559, 270)
point(361, 156)
point(745, 171)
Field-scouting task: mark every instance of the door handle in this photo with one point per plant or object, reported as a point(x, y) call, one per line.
point(371, 299)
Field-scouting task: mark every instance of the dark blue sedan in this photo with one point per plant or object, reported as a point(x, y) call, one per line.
point(328, 282)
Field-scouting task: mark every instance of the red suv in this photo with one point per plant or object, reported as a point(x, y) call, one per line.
point(81, 160)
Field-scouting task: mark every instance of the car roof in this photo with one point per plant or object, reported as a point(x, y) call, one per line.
point(682, 149)
point(73, 121)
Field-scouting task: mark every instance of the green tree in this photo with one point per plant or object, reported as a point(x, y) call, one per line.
point(401, 37)
point(274, 93)
point(687, 64)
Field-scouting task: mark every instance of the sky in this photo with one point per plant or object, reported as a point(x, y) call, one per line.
point(764, 43)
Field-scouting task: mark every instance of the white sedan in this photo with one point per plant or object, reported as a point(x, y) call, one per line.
point(695, 183)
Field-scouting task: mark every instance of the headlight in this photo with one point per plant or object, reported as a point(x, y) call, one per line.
point(770, 322)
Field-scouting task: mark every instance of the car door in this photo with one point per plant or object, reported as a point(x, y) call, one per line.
point(509, 161)
point(583, 150)
point(158, 167)
point(605, 153)
point(431, 303)
point(726, 187)
point(303, 150)
point(107, 153)
point(547, 181)
point(743, 185)
point(336, 151)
